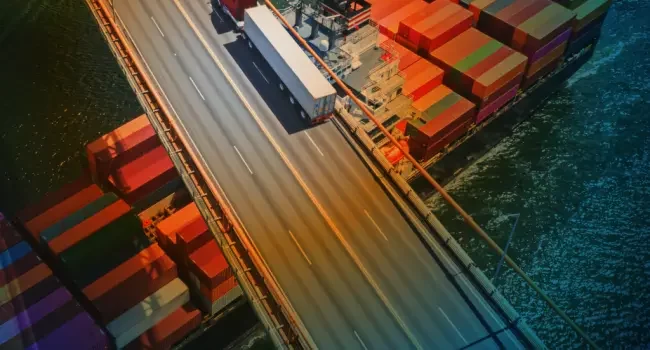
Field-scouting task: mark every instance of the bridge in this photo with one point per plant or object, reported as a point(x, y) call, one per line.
point(329, 255)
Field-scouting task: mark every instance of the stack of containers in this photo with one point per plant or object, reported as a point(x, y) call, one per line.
point(590, 15)
point(183, 232)
point(169, 330)
point(130, 282)
point(138, 179)
point(420, 78)
point(210, 274)
point(540, 29)
point(389, 25)
point(58, 205)
point(185, 236)
point(36, 311)
point(120, 146)
point(432, 27)
point(481, 69)
point(439, 117)
point(383, 8)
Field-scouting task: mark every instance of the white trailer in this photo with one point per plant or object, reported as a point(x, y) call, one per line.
point(306, 87)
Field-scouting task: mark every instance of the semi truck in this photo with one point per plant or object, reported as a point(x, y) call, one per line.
point(234, 9)
point(300, 81)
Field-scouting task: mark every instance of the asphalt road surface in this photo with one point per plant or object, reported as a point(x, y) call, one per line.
point(351, 265)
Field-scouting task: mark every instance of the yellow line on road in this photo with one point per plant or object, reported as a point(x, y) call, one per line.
point(304, 186)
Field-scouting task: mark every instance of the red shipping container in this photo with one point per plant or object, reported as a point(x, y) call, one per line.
point(408, 28)
point(141, 177)
point(420, 78)
point(169, 330)
point(193, 237)
point(424, 152)
point(62, 209)
point(120, 146)
point(167, 230)
point(381, 9)
point(87, 227)
point(446, 30)
point(128, 291)
point(209, 265)
point(53, 198)
point(496, 104)
point(389, 25)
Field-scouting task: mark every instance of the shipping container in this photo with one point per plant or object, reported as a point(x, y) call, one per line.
point(588, 12)
point(560, 40)
point(61, 209)
point(425, 153)
point(446, 30)
point(24, 282)
point(209, 265)
point(545, 60)
point(18, 268)
point(585, 38)
point(137, 320)
point(486, 111)
point(389, 25)
point(79, 333)
point(407, 27)
point(379, 10)
point(168, 229)
point(120, 146)
point(306, 86)
point(103, 265)
point(157, 195)
point(441, 111)
point(135, 288)
point(525, 25)
point(14, 253)
point(529, 81)
point(476, 65)
point(28, 298)
point(213, 301)
point(53, 198)
point(34, 313)
point(420, 78)
point(169, 330)
point(48, 324)
point(72, 236)
point(141, 177)
point(191, 238)
point(78, 216)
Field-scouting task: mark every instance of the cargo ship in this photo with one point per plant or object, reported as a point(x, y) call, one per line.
point(449, 78)
point(501, 59)
point(119, 258)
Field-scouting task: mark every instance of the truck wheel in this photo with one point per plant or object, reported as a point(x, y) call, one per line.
point(293, 102)
point(303, 115)
point(250, 45)
point(281, 87)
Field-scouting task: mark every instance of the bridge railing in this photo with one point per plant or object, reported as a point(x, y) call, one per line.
point(250, 270)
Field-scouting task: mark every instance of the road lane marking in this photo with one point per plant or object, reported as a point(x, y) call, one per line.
point(453, 325)
point(197, 88)
point(299, 247)
point(353, 255)
point(314, 143)
point(376, 226)
point(220, 191)
point(157, 26)
point(262, 74)
point(243, 160)
point(360, 340)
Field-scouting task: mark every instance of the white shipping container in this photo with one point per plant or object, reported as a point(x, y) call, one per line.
point(298, 73)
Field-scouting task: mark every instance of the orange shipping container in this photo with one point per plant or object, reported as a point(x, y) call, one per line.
point(407, 27)
point(381, 9)
point(444, 31)
point(62, 209)
point(421, 78)
point(389, 25)
point(168, 229)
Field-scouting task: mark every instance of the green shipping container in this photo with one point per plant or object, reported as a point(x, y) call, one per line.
point(85, 253)
point(78, 217)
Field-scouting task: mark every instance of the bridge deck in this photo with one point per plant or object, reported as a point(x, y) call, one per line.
point(351, 265)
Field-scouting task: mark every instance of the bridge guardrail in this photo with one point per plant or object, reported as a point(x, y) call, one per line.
point(252, 281)
point(436, 226)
